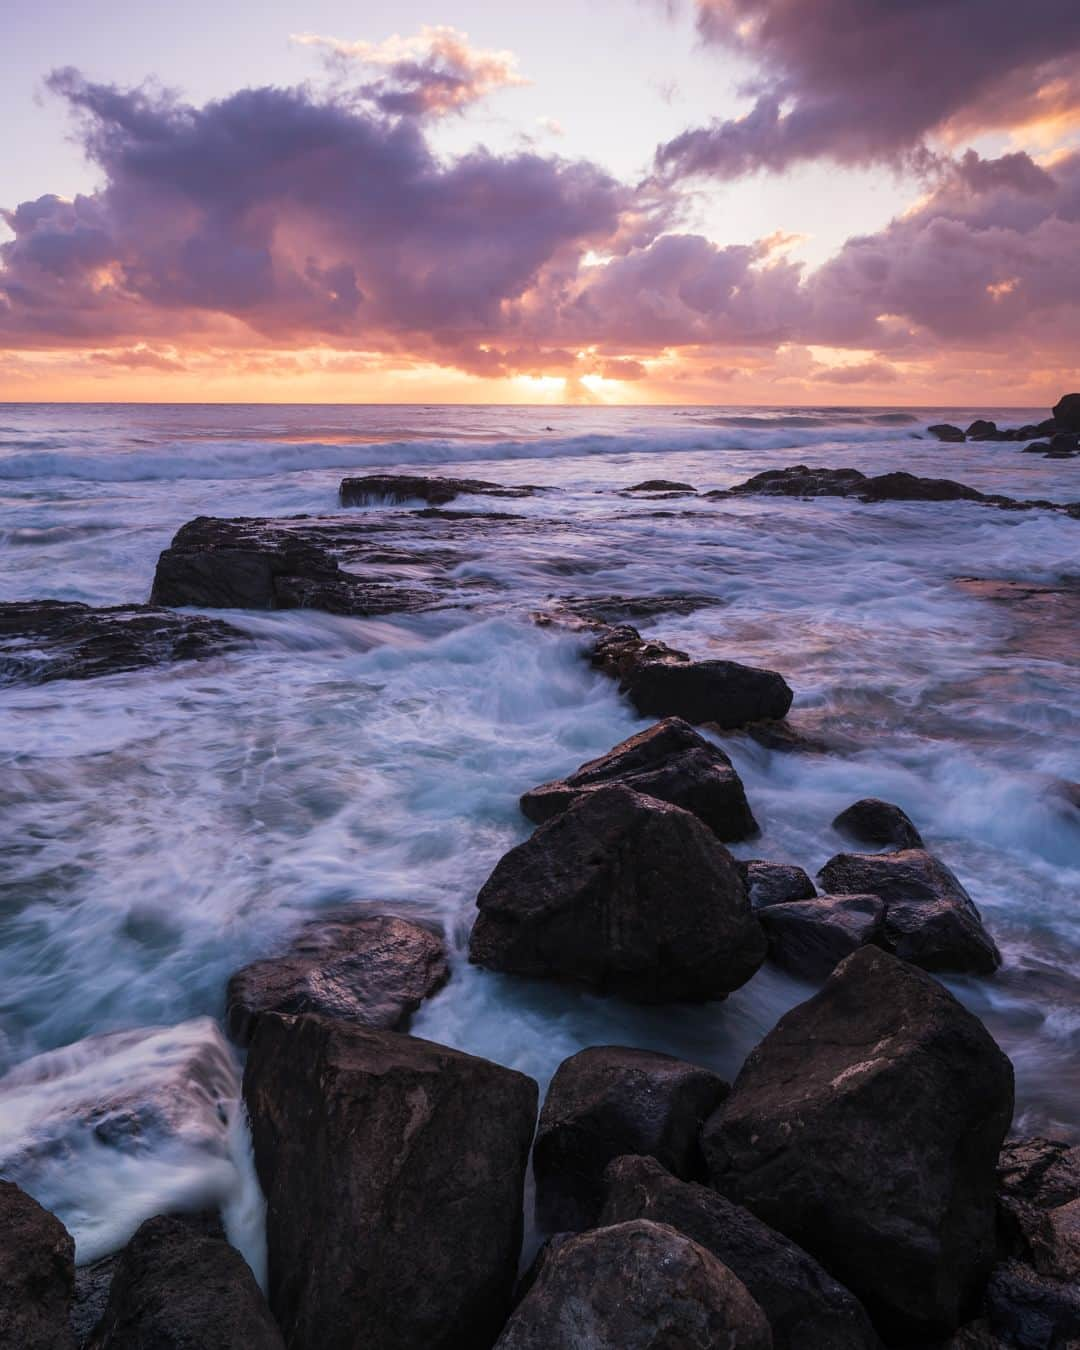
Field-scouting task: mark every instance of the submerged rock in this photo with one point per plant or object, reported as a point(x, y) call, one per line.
point(380, 488)
point(393, 1171)
point(620, 609)
point(811, 937)
point(609, 1100)
point(866, 1127)
point(37, 1275)
point(769, 883)
point(669, 761)
point(806, 1308)
point(635, 1286)
point(43, 640)
point(872, 821)
point(624, 892)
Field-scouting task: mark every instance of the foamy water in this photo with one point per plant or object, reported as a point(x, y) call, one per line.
point(166, 826)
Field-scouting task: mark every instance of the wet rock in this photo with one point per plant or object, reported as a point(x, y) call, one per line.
point(1039, 1205)
point(43, 640)
point(944, 431)
point(866, 1128)
point(374, 969)
point(626, 893)
point(635, 1286)
point(769, 883)
point(806, 1308)
point(669, 761)
point(1027, 1310)
point(810, 938)
point(1064, 445)
point(393, 1171)
point(92, 1285)
point(620, 609)
point(1067, 412)
point(661, 485)
point(908, 487)
point(790, 739)
point(609, 1100)
point(801, 481)
point(982, 430)
point(1036, 448)
point(379, 488)
point(930, 919)
point(872, 821)
point(37, 1274)
point(179, 1285)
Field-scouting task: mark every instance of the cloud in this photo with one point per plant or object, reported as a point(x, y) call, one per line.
point(861, 372)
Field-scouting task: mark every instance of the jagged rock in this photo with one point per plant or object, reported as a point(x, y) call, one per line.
point(626, 893)
point(609, 1100)
point(801, 481)
point(393, 1171)
point(944, 431)
point(866, 1127)
point(1039, 1205)
point(380, 488)
point(669, 761)
point(811, 937)
point(37, 1275)
point(178, 1285)
point(635, 1286)
point(930, 919)
point(769, 883)
point(374, 969)
point(43, 640)
point(806, 1308)
point(872, 821)
point(1067, 412)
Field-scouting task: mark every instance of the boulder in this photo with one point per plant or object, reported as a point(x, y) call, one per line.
point(930, 919)
point(661, 485)
point(872, 821)
point(393, 1171)
point(810, 938)
point(635, 1286)
point(1064, 445)
point(769, 883)
point(374, 969)
point(806, 1308)
point(800, 480)
point(1036, 448)
point(609, 1100)
point(866, 1127)
point(671, 762)
point(178, 1285)
point(394, 488)
point(982, 430)
point(626, 893)
point(908, 487)
point(37, 1275)
point(944, 431)
point(1067, 412)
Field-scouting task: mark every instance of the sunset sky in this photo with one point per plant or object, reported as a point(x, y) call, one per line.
point(733, 201)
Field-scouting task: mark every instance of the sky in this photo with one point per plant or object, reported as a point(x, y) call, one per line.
point(631, 201)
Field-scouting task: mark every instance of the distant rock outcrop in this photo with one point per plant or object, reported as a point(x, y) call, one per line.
point(393, 489)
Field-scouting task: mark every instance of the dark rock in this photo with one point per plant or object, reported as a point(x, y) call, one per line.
point(811, 937)
point(670, 761)
point(1064, 445)
point(1036, 448)
point(37, 1274)
point(609, 1100)
point(661, 485)
point(180, 1287)
point(43, 640)
point(872, 821)
point(1067, 412)
point(807, 1309)
point(944, 431)
point(620, 609)
point(378, 488)
point(1039, 1205)
point(635, 1286)
point(982, 430)
point(626, 893)
point(769, 883)
point(1029, 1311)
point(866, 1128)
point(393, 1171)
point(802, 481)
point(789, 739)
point(908, 487)
point(374, 969)
point(930, 919)
point(92, 1285)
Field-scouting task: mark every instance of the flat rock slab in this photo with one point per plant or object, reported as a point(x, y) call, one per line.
point(392, 489)
point(44, 640)
point(372, 969)
point(37, 1275)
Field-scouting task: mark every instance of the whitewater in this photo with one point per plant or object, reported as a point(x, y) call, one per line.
point(164, 827)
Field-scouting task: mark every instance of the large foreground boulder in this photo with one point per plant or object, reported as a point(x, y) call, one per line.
point(811, 937)
point(635, 1286)
point(626, 893)
point(394, 488)
point(609, 1100)
point(178, 1285)
point(872, 821)
point(37, 1274)
point(807, 1309)
point(670, 761)
point(866, 1127)
point(393, 1171)
point(374, 969)
point(929, 920)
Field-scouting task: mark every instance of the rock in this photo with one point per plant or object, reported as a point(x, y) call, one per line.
point(619, 609)
point(1036, 448)
point(670, 761)
point(393, 1171)
point(1064, 445)
point(872, 821)
point(43, 640)
point(609, 1100)
point(801, 481)
point(37, 1275)
point(806, 1308)
point(769, 883)
point(661, 485)
point(626, 893)
point(92, 1285)
point(1067, 412)
point(1039, 1206)
point(178, 1285)
point(982, 430)
point(811, 937)
point(930, 919)
point(374, 969)
point(635, 1286)
point(944, 431)
point(789, 739)
point(1048, 428)
point(866, 1128)
point(908, 487)
point(1027, 1310)
point(380, 488)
